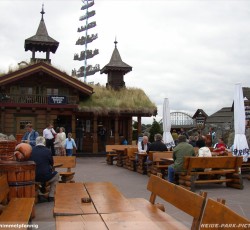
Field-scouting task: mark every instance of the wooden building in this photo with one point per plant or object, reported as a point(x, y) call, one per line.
point(39, 93)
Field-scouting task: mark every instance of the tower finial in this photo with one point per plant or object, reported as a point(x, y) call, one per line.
point(115, 42)
point(42, 12)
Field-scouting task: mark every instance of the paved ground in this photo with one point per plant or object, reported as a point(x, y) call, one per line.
point(133, 184)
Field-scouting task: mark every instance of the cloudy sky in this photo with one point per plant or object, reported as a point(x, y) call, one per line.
point(192, 52)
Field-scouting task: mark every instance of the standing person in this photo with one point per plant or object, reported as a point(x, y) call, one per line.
point(30, 135)
point(69, 145)
point(213, 135)
point(59, 142)
point(180, 151)
point(175, 136)
point(49, 134)
point(79, 136)
point(157, 145)
point(192, 141)
point(183, 132)
point(200, 142)
point(102, 133)
point(41, 155)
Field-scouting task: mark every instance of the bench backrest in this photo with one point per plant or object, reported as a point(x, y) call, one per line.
point(187, 201)
point(4, 188)
point(218, 213)
point(66, 161)
point(131, 151)
point(158, 155)
point(110, 148)
point(220, 162)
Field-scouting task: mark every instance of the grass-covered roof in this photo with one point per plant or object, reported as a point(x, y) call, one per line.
point(127, 100)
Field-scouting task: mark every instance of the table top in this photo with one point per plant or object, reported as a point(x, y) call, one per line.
point(135, 220)
point(86, 222)
point(57, 165)
point(168, 159)
point(107, 198)
point(108, 209)
point(68, 200)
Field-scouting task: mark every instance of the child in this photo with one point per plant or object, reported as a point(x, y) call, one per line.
point(69, 145)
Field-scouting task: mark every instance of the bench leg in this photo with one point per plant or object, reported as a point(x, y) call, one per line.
point(237, 181)
point(192, 185)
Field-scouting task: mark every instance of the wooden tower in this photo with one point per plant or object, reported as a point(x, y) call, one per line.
point(41, 42)
point(116, 69)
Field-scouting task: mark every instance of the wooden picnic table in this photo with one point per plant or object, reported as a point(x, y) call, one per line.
point(141, 166)
point(68, 200)
point(120, 155)
point(112, 210)
point(57, 165)
point(107, 198)
point(168, 160)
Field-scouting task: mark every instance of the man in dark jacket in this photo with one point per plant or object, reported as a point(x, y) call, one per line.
point(158, 145)
point(42, 156)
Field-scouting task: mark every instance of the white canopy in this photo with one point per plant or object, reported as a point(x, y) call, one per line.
point(167, 137)
point(240, 146)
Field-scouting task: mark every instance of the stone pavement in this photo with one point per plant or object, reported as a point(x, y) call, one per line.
point(133, 184)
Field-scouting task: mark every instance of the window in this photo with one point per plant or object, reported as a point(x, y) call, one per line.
point(22, 124)
point(52, 91)
point(26, 90)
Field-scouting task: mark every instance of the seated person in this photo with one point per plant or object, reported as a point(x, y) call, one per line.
point(180, 151)
point(158, 145)
point(204, 152)
point(220, 147)
point(42, 156)
point(143, 146)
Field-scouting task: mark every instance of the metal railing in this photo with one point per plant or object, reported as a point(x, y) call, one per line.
point(33, 99)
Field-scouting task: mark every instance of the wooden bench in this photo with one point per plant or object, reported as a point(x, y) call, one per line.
point(67, 162)
point(17, 210)
point(218, 216)
point(245, 167)
point(111, 152)
point(131, 158)
point(158, 165)
point(204, 170)
point(188, 202)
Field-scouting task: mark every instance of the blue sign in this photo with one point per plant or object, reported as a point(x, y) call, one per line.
point(57, 100)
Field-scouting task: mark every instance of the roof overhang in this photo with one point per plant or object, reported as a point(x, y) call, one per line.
point(52, 71)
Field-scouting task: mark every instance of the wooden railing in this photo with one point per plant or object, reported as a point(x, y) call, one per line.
point(33, 99)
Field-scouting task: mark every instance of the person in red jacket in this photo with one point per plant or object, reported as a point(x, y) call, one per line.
point(220, 146)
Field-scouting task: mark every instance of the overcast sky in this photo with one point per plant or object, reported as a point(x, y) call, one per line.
point(192, 52)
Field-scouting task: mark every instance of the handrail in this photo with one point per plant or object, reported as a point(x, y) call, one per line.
point(33, 99)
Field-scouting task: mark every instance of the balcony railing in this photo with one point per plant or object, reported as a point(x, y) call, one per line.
point(33, 99)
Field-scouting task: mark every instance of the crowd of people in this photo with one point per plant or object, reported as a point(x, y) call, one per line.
point(51, 143)
point(184, 146)
point(54, 143)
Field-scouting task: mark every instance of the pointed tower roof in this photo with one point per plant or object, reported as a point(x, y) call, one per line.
point(41, 41)
point(116, 63)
